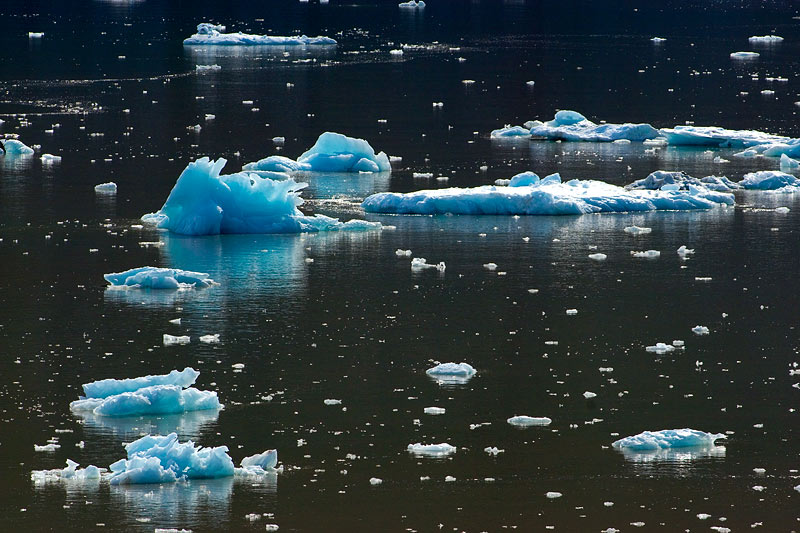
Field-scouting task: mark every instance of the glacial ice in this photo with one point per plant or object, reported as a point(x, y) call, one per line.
point(669, 180)
point(464, 370)
point(108, 387)
point(700, 330)
point(787, 163)
point(765, 39)
point(412, 4)
point(545, 197)
point(204, 203)
point(667, 438)
point(598, 257)
point(106, 188)
point(71, 472)
point(15, 147)
point(420, 263)
point(510, 131)
point(526, 421)
point(159, 278)
point(744, 55)
point(210, 34)
point(637, 230)
point(333, 152)
point(434, 410)
point(173, 340)
point(716, 136)
point(768, 180)
point(432, 450)
point(572, 126)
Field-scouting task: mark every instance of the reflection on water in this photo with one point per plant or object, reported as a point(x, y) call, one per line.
point(237, 57)
point(343, 184)
point(187, 425)
point(673, 461)
point(15, 162)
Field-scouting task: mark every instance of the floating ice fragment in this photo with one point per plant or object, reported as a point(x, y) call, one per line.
point(636, 230)
point(598, 257)
point(170, 340)
point(782, 210)
point(572, 126)
point(667, 438)
point(396, 52)
point(402, 253)
point(71, 472)
point(658, 39)
point(525, 421)
point(106, 188)
point(35, 34)
point(510, 131)
point(14, 147)
point(768, 180)
point(237, 366)
point(434, 410)
point(412, 4)
point(767, 39)
point(420, 263)
point(684, 251)
point(744, 55)
point(490, 266)
point(647, 254)
point(154, 400)
point(463, 370)
point(159, 278)
point(375, 481)
point(493, 450)
point(553, 495)
point(264, 461)
point(787, 163)
point(205, 203)
point(700, 330)
point(49, 159)
point(209, 34)
point(660, 348)
point(572, 311)
point(207, 68)
point(703, 516)
point(589, 395)
point(432, 450)
point(46, 447)
point(210, 339)
point(331, 401)
point(109, 387)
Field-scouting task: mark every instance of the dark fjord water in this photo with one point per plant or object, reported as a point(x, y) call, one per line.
point(357, 324)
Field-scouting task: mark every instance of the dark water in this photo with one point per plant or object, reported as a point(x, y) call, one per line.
point(356, 324)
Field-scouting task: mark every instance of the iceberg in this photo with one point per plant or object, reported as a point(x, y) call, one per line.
point(546, 197)
point(210, 35)
point(159, 278)
point(510, 131)
point(660, 178)
point(71, 472)
point(464, 370)
point(412, 4)
point(768, 180)
point(527, 421)
point(787, 163)
point(717, 136)
point(108, 387)
point(106, 188)
point(744, 55)
point(333, 152)
point(15, 147)
point(204, 203)
point(432, 450)
point(667, 438)
point(765, 39)
point(572, 126)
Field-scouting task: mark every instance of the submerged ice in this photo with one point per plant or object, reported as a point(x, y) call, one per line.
point(333, 152)
point(544, 197)
point(203, 202)
point(210, 34)
point(159, 278)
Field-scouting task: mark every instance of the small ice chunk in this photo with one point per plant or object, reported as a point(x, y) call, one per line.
point(432, 450)
point(782, 210)
point(375, 481)
point(684, 251)
point(658, 39)
point(330, 401)
point(265, 461)
point(493, 450)
point(402, 253)
point(598, 257)
point(463, 370)
point(434, 410)
point(171, 340)
point(109, 387)
point(660, 348)
point(647, 254)
point(207, 68)
point(765, 39)
point(420, 263)
point(637, 230)
point(49, 159)
point(589, 395)
point(176, 321)
point(46, 447)
point(159, 278)
point(490, 266)
point(526, 421)
point(667, 438)
point(700, 330)
point(572, 312)
point(35, 34)
point(106, 188)
point(744, 55)
point(552, 495)
point(210, 339)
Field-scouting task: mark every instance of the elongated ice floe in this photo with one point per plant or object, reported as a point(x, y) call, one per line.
point(526, 421)
point(333, 152)
point(765, 39)
point(546, 197)
point(671, 180)
point(106, 188)
point(148, 395)
point(210, 35)
point(15, 147)
point(744, 55)
point(768, 180)
point(432, 450)
point(412, 4)
point(71, 472)
point(204, 203)
point(667, 438)
point(159, 278)
point(464, 370)
point(759, 142)
point(108, 387)
point(572, 126)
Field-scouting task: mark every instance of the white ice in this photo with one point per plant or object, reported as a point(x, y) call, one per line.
point(106, 188)
point(572, 126)
point(768, 180)
point(159, 278)
point(108, 387)
point(675, 180)
point(204, 203)
point(210, 34)
point(598, 257)
point(434, 410)
point(667, 438)
point(637, 230)
point(463, 370)
point(71, 473)
point(765, 39)
point(700, 330)
point(544, 197)
point(432, 450)
point(420, 263)
point(526, 421)
point(172, 340)
point(787, 163)
point(744, 55)
point(412, 4)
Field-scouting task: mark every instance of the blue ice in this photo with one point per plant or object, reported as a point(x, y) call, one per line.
point(546, 197)
point(333, 152)
point(15, 147)
point(159, 278)
point(153, 400)
point(210, 34)
point(203, 202)
point(667, 438)
point(572, 126)
point(412, 4)
point(758, 142)
point(658, 179)
point(108, 387)
point(768, 180)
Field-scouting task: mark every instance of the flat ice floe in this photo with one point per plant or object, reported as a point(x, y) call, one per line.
point(527, 421)
point(149, 395)
point(204, 203)
point(572, 126)
point(432, 450)
point(768, 180)
point(667, 438)
point(544, 197)
point(412, 4)
point(210, 35)
point(765, 39)
point(757, 142)
point(159, 278)
point(333, 152)
point(676, 180)
point(71, 472)
point(744, 55)
point(462, 370)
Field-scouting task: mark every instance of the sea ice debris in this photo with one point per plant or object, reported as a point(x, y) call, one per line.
point(526, 421)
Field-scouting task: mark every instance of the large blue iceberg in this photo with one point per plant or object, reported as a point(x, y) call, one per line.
point(15, 147)
point(149, 395)
point(159, 278)
point(572, 126)
point(666, 180)
point(203, 202)
point(768, 180)
point(532, 196)
point(333, 152)
point(667, 438)
point(210, 34)
point(757, 142)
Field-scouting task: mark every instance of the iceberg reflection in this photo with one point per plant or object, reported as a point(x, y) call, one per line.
point(189, 425)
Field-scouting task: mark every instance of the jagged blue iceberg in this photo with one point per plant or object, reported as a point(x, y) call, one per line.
point(669, 180)
point(159, 278)
point(768, 180)
point(149, 395)
point(203, 202)
point(572, 126)
point(333, 152)
point(667, 438)
point(544, 197)
point(210, 35)
point(15, 147)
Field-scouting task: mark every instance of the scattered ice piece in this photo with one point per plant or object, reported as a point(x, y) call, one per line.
point(768, 39)
point(422, 174)
point(237, 366)
point(760, 470)
point(637, 230)
point(553, 495)
point(210, 339)
point(525, 421)
point(449, 479)
point(744, 55)
point(109, 387)
point(490, 266)
point(71, 472)
point(667, 438)
point(35, 34)
point(207, 68)
point(396, 52)
point(49, 159)
point(46, 447)
point(589, 395)
point(684, 251)
point(572, 312)
point(434, 410)
point(159, 278)
point(703, 516)
point(572, 126)
point(420, 263)
point(598, 257)
point(170, 340)
point(15, 147)
point(787, 163)
point(658, 39)
point(759, 488)
point(493, 450)
point(331, 401)
point(209, 35)
point(432, 450)
point(402, 253)
point(418, 4)
point(458, 370)
point(647, 254)
point(700, 330)
point(660, 348)
point(375, 481)
point(106, 188)
point(782, 210)
point(768, 180)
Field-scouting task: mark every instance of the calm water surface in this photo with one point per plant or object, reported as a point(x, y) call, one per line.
point(113, 82)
